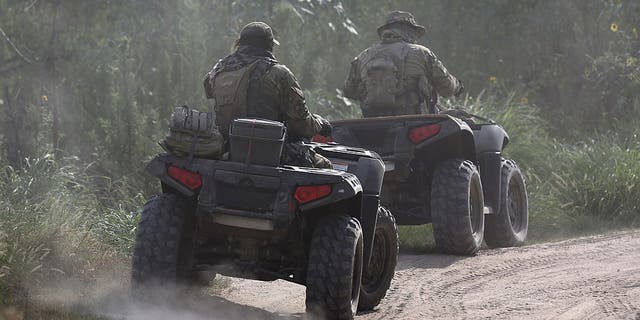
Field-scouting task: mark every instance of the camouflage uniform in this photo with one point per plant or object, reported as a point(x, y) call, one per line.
point(423, 78)
point(273, 92)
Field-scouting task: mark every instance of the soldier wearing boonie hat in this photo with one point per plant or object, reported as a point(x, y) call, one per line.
point(398, 76)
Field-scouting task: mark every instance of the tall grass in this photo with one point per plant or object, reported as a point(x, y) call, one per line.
point(600, 178)
point(53, 224)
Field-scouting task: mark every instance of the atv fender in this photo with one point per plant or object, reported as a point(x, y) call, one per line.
point(369, 173)
point(158, 168)
point(490, 138)
point(455, 140)
point(346, 190)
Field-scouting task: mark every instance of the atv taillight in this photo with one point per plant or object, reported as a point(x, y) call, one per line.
point(419, 134)
point(190, 179)
point(321, 139)
point(306, 194)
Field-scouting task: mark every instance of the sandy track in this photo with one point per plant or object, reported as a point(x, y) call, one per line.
point(587, 278)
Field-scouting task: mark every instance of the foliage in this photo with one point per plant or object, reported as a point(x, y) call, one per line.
point(98, 81)
point(601, 178)
point(53, 224)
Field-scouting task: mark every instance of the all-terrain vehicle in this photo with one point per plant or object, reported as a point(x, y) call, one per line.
point(449, 172)
point(251, 217)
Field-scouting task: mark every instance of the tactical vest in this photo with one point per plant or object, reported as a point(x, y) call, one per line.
point(384, 75)
point(229, 89)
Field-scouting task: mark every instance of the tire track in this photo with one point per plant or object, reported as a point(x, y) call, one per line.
point(522, 282)
point(587, 278)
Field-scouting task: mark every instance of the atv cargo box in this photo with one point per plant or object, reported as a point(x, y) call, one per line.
point(256, 141)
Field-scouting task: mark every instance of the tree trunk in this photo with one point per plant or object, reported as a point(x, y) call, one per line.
point(11, 132)
point(18, 137)
point(50, 68)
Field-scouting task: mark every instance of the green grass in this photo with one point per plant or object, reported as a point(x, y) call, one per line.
point(416, 239)
point(54, 225)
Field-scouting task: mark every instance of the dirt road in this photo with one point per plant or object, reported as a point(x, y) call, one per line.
point(587, 278)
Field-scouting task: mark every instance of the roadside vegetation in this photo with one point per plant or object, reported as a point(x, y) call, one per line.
point(54, 227)
point(85, 92)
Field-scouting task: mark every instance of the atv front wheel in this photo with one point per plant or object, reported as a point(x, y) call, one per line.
point(334, 270)
point(163, 249)
point(376, 277)
point(457, 207)
point(508, 227)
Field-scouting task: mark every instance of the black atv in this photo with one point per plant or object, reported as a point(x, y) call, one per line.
point(446, 171)
point(251, 217)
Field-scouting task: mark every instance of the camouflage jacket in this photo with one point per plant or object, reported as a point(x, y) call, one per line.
point(423, 73)
point(273, 92)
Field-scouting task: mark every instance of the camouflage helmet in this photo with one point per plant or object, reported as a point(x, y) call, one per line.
point(397, 17)
point(258, 34)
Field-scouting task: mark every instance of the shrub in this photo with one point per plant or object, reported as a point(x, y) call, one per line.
point(600, 178)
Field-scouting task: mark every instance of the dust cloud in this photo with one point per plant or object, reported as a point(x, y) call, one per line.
point(113, 299)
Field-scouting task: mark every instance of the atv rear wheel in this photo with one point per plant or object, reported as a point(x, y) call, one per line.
point(163, 250)
point(376, 277)
point(508, 227)
point(334, 270)
point(457, 207)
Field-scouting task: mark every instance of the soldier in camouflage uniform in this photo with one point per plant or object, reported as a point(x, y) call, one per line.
point(398, 76)
point(251, 83)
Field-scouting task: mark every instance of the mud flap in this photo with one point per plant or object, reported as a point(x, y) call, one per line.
point(490, 176)
point(370, 204)
point(370, 172)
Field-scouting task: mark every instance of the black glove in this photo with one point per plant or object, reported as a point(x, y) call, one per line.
point(460, 89)
point(326, 129)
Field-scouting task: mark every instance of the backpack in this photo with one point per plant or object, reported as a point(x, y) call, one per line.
point(383, 74)
point(193, 133)
point(229, 91)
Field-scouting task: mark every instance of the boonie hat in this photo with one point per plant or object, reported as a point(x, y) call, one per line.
point(396, 17)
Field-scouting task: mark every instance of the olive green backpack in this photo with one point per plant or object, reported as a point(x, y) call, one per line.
point(229, 91)
point(383, 73)
point(193, 133)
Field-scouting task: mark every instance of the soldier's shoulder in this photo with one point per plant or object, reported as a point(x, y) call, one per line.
point(369, 49)
point(367, 53)
point(280, 71)
point(420, 48)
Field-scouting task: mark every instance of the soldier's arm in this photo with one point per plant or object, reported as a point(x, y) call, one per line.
point(439, 77)
point(352, 85)
point(295, 114)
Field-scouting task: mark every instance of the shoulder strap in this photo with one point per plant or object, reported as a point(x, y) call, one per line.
point(241, 89)
point(403, 65)
point(256, 85)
